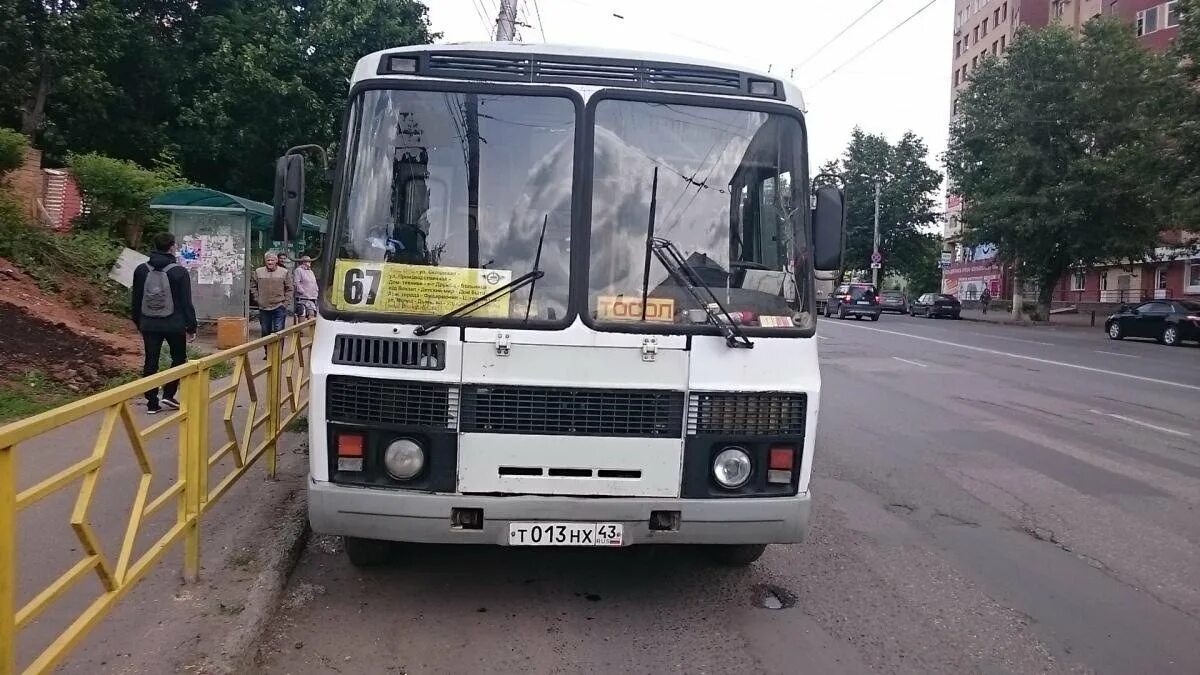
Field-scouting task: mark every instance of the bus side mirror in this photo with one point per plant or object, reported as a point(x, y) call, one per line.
point(289, 198)
point(828, 229)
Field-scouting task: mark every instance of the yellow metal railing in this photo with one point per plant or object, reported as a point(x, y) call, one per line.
point(267, 413)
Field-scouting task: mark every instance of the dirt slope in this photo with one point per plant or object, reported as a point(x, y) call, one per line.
point(61, 335)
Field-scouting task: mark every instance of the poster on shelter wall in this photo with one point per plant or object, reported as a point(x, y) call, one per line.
point(191, 251)
point(219, 261)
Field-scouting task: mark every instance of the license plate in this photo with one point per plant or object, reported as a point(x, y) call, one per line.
point(565, 534)
point(863, 302)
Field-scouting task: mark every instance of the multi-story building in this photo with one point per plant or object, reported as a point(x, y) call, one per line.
point(982, 29)
point(986, 27)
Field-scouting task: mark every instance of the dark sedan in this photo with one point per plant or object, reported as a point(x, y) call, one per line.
point(856, 300)
point(893, 301)
point(1168, 321)
point(933, 305)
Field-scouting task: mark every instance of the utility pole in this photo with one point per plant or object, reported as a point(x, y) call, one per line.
point(875, 246)
point(506, 21)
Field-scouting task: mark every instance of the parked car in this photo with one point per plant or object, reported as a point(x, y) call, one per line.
point(933, 305)
point(893, 301)
point(856, 300)
point(1168, 321)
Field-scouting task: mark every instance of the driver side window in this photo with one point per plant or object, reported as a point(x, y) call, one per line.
point(1153, 308)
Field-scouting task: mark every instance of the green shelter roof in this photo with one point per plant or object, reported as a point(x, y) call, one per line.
point(203, 198)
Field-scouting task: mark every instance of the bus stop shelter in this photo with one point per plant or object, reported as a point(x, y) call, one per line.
point(220, 238)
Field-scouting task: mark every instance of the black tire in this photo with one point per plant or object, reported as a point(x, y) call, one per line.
point(736, 555)
point(1170, 336)
point(1115, 332)
point(841, 313)
point(875, 317)
point(367, 552)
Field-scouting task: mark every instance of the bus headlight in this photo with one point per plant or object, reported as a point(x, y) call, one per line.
point(732, 468)
point(404, 459)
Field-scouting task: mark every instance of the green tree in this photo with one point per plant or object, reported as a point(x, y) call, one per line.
point(908, 187)
point(248, 98)
point(1057, 152)
point(1183, 109)
point(12, 150)
point(223, 85)
point(118, 194)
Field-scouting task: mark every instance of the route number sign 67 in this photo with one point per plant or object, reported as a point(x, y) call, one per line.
point(360, 285)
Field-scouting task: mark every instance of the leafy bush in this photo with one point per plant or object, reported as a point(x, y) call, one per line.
point(118, 193)
point(50, 258)
point(12, 150)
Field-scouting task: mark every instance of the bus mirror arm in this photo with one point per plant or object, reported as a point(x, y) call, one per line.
point(828, 228)
point(289, 191)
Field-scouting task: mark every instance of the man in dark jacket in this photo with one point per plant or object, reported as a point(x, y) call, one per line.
point(163, 311)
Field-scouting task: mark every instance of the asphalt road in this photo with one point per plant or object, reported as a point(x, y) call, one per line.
point(988, 499)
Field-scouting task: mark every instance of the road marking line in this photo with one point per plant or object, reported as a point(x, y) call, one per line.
point(1165, 430)
point(913, 363)
point(822, 337)
point(1035, 359)
point(1128, 356)
point(1001, 337)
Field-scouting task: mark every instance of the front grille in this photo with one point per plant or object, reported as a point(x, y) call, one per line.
point(479, 66)
point(388, 352)
point(665, 77)
point(572, 412)
point(746, 414)
point(596, 71)
point(364, 400)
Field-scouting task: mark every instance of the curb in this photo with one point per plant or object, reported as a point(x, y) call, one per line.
point(244, 634)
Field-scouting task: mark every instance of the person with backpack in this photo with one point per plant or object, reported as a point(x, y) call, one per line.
point(162, 309)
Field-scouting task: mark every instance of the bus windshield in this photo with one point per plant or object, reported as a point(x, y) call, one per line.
point(727, 187)
point(449, 195)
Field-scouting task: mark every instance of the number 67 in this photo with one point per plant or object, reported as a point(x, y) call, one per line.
point(355, 291)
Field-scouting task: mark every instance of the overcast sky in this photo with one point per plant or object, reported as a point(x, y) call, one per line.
point(899, 84)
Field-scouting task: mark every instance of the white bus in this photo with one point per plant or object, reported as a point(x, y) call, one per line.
point(567, 300)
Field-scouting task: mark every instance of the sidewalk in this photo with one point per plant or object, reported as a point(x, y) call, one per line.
point(249, 542)
point(1081, 320)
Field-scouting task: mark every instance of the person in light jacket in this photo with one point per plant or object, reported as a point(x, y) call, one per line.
point(271, 288)
point(306, 289)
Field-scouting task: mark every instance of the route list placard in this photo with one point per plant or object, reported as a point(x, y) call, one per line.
point(416, 289)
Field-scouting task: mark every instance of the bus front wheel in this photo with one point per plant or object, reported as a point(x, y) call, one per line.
point(739, 555)
point(367, 552)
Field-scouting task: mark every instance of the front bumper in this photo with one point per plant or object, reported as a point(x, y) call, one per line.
point(397, 515)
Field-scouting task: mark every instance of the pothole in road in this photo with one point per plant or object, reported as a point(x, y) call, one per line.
point(770, 596)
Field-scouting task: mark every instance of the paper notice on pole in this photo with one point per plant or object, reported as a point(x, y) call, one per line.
point(127, 262)
point(416, 289)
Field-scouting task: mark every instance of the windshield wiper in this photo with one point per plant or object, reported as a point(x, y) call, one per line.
point(513, 286)
point(687, 276)
point(467, 308)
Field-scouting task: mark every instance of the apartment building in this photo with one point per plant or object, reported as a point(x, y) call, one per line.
point(986, 27)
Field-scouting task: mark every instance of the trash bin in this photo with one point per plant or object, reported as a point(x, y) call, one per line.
point(231, 331)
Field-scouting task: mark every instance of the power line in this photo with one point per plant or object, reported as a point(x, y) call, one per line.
point(840, 34)
point(481, 12)
point(541, 26)
point(657, 27)
point(877, 40)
